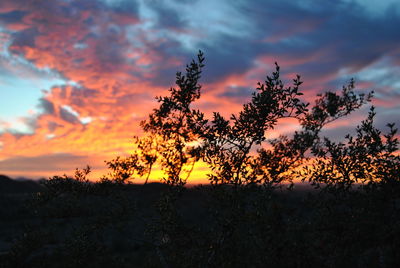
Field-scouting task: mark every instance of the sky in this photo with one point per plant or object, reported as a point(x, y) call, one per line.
point(77, 76)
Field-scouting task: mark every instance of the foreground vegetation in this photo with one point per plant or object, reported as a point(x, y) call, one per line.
point(154, 225)
point(345, 214)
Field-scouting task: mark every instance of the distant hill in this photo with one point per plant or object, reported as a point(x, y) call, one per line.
point(10, 186)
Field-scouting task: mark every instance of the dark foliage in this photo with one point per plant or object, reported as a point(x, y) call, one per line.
point(347, 215)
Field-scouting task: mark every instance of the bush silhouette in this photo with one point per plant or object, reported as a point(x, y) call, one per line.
point(243, 218)
point(178, 136)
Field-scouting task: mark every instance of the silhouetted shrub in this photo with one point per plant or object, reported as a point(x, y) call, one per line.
point(244, 217)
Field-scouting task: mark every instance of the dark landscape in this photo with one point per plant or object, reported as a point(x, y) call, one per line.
point(78, 224)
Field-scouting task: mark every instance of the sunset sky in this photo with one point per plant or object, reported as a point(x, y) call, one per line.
point(77, 76)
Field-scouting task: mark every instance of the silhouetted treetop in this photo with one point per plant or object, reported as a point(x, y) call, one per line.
point(236, 149)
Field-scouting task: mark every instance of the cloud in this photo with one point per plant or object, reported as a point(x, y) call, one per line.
point(56, 164)
point(236, 92)
point(111, 57)
point(35, 164)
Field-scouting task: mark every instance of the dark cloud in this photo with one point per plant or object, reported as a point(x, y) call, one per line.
point(168, 17)
point(46, 106)
point(230, 55)
point(54, 163)
point(25, 37)
point(128, 7)
point(109, 49)
point(341, 35)
point(12, 17)
point(67, 116)
point(240, 93)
